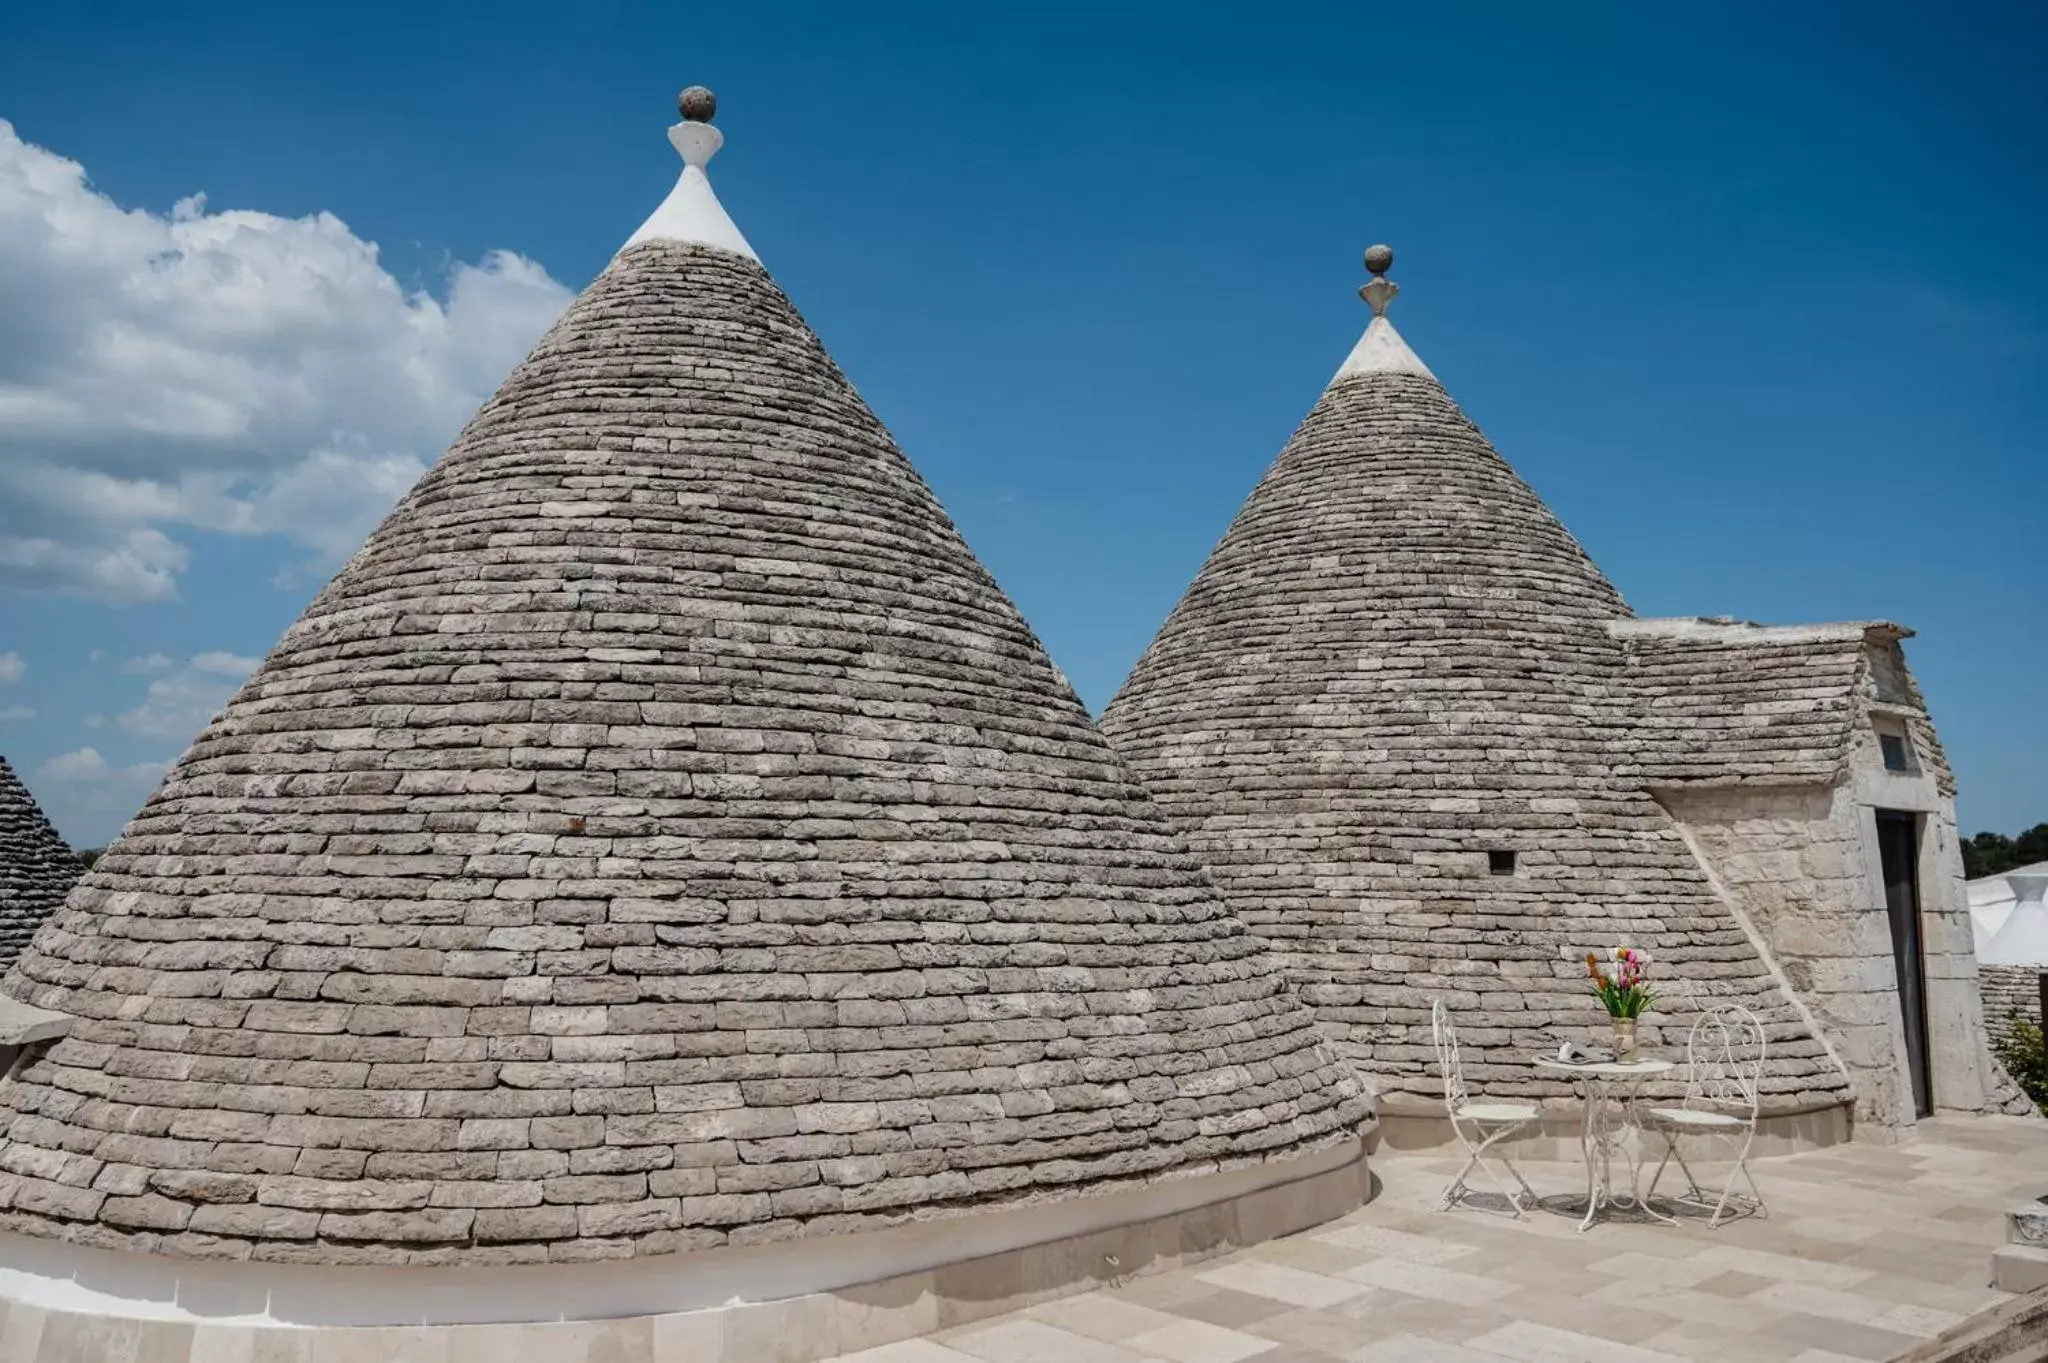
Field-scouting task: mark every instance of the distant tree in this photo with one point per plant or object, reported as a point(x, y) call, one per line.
point(88, 855)
point(1989, 854)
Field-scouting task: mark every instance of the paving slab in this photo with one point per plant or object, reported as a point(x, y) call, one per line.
point(1865, 1253)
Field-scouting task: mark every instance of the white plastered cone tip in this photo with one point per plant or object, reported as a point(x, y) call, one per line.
point(691, 212)
point(1382, 351)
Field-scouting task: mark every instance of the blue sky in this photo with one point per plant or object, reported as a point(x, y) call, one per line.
point(1752, 295)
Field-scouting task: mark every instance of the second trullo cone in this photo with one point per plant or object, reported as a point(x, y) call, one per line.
point(1392, 714)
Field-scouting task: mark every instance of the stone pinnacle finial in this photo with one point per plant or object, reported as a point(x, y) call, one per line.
point(698, 105)
point(1380, 290)
point(691, 212)
point(694, 137)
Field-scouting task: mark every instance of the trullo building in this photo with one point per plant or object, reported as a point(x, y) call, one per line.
point(2009, 914)
point(659, 887)
point(1428, 751)
point(36, 868)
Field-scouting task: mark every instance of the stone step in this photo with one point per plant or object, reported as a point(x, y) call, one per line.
point(2019, 1268)
point(2027, 1223)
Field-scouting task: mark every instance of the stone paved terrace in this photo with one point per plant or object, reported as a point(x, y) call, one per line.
point(1868, 1251)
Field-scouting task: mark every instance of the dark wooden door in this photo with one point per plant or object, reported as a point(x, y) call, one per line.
point(1898, 845)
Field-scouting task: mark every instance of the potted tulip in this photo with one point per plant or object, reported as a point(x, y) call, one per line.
point(1626, 992)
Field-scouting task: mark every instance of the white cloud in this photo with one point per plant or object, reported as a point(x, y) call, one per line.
point(89, 797)
point(14, 712)
point(86, 767)
point(225, 664)
point(11, 667)
point(229, 371)
point(95, 721)
point(155, 662)
point(98, 655)
point(107, 562)
point(179, 704)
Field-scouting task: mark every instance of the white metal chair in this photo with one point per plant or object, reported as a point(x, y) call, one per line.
point(1479, 1127)
point(1724, 1062)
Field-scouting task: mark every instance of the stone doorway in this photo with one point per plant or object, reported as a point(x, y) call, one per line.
point(1898, 845)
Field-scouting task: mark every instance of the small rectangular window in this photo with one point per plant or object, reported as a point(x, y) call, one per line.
point(1501, 863)
point(1897, 756)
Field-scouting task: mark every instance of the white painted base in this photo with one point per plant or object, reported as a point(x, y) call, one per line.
point(787, 1303)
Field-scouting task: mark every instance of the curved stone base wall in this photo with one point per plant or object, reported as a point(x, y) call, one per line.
point(1410, 1123)
point(49, 1318)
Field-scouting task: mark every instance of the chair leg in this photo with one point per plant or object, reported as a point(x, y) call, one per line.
point(1476, 1159)
point(1527, 1191)
point(1727, 1191)
point(1456, 1189)
point(1670, 1148)
point(1694, 1192)
point(1756, 1192)
point(1514, 1203)
point(1741, 1171)
point(1692, 1183)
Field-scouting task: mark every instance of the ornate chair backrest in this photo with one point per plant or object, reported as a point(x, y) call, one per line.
point(1446, 1037)
point(1724, 1060)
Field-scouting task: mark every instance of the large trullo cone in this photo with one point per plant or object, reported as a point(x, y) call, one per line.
point(662, 835)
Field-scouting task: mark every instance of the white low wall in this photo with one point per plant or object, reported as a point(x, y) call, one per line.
point(782, 1303)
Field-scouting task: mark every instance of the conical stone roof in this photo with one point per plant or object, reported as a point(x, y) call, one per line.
point(36, 868)
point(663, 833)
point(1394, 664)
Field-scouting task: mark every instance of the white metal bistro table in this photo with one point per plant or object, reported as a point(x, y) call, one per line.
point(1610, 1128)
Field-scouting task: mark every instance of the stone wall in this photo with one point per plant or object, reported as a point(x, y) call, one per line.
point(2009, 989)
point(1803, 863)
point(1794, 866)
point(1965, 1076)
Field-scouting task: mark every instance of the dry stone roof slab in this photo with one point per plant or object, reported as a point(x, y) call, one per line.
point(1396, 662)
point(37, 869)
point(662, 834)
point(1722, 702)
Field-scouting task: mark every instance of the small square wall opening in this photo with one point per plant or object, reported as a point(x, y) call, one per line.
point(1501, 863)
point(1893, 746)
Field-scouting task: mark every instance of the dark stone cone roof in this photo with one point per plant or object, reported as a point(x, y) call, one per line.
point(36, 869)
point(1395, 662)
point(662, 833)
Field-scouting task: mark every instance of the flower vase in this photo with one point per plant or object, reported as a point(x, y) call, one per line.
point(1625, 1040)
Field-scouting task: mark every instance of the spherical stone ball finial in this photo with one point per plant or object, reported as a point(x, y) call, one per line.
point(1379, 259)
point(697, 104)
